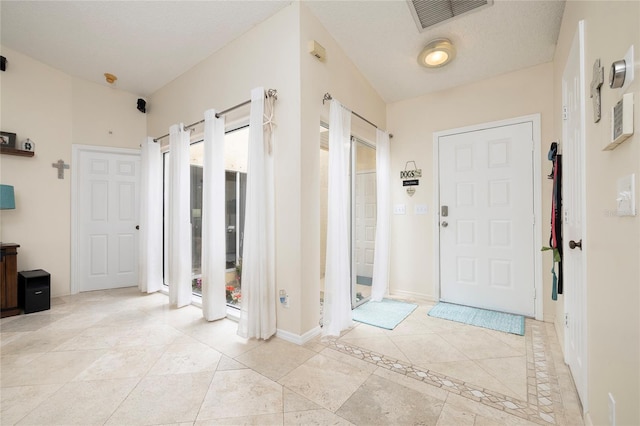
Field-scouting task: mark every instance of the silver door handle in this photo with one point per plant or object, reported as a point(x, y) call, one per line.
point(444, 224)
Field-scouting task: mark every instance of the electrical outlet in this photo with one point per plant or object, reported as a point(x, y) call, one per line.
point(284, 298)
point(612, 410)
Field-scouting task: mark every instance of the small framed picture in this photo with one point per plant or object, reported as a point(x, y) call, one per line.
point(8, 140)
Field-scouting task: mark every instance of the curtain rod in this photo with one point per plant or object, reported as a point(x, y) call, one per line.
point(327, 97)
point(268, 94)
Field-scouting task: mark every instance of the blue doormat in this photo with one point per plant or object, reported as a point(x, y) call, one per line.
point(479, 317)
point(386, 314)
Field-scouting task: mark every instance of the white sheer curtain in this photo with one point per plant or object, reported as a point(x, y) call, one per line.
point(214, 302)
point(258, 313)
point(380, 283)
point(150, 243)
point(337, 282)
point(179, 218)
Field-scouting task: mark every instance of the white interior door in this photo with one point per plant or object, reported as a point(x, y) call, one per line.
point(107, 215)
point(365, 225)
point(573, 203)
point(487, 248)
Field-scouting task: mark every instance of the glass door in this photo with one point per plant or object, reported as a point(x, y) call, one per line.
point(324, 204)
point(236, 155)
point(362, 214)
point(363, 219)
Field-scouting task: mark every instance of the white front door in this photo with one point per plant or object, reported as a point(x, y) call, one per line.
point(486, 201)
point(573, 202)
point(107, 215)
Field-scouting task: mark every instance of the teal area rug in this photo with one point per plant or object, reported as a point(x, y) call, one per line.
point(500, 321)
point(386, 314)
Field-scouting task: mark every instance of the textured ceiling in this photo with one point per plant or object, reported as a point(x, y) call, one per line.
point(149, 43)
point(382, 39)
point(145, 43)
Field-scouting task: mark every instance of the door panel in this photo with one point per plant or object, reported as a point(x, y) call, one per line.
point(363, 221)
point(107, 218)
point(486, 239)
point(98, 258)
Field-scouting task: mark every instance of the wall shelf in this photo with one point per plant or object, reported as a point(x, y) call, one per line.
point(18, 152)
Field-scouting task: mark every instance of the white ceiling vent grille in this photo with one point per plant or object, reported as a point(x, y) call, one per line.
point(428, 13)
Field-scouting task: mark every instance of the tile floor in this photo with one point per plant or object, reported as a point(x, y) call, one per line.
point(121, 358)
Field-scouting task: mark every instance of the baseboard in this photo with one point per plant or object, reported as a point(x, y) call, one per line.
point(415, 296)
point(296, 338)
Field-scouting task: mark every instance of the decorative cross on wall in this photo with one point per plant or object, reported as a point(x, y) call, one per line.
point(60, 166)
point(596, 84)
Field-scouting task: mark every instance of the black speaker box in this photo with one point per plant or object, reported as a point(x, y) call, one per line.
point(142, 105)
point(34, 290)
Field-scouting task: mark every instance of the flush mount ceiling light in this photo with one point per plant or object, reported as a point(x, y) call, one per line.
point(437, 53)
point(110, 78)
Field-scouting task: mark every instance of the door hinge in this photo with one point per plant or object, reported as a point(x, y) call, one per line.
point(565, 113)
point(566, 320)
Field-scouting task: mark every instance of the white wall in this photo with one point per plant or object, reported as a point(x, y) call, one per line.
point(413, 123)
point(54, 110)
point(613, 255)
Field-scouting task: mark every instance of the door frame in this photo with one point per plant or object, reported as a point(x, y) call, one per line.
point(583, 394)
point(534, 119)
point(76, 150)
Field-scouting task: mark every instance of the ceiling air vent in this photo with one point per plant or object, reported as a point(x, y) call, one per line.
point(428, 13)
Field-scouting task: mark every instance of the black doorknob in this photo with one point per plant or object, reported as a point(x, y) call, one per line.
point(573, 244)
point(137, 226)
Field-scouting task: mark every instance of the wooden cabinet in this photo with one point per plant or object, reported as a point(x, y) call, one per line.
point(9, 279)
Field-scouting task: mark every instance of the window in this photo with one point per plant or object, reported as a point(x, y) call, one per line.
point(236, 146)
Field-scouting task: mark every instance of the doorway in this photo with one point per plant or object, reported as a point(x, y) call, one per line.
point(104, 219)
point(235, 162)
point(489, 206)
point(363, 220)
point(362, 213)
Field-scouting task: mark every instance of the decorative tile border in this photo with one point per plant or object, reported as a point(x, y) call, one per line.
point(542, 385)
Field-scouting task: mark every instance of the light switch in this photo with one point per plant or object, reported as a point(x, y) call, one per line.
point(399, 209)
point(420, 209)
point(626, 196)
